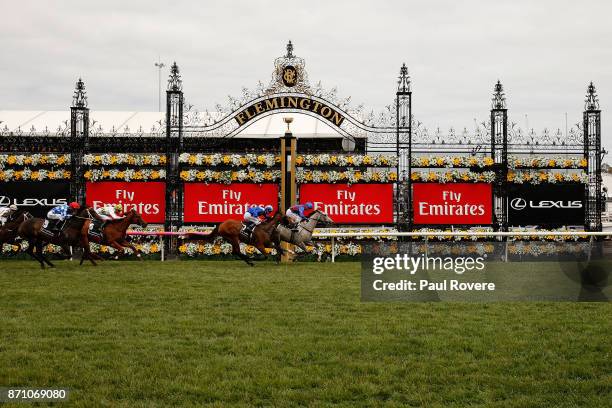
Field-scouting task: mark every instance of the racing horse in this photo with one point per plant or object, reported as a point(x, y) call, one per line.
point(73, 233)
point(8, 232)
point(303, 236)
point(114, 233)
point(229, 230)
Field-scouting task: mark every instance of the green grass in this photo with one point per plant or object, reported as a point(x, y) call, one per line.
point(130, 334)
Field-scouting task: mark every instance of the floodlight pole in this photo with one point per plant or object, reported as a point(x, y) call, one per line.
point(159, 66)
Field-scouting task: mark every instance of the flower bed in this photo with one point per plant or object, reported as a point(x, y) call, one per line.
point(451, 161)
point(234, 160)
point(351, 160)
point(348, 176)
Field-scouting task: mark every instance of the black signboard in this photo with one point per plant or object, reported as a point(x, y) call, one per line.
point(546, 204)
point(36, 197)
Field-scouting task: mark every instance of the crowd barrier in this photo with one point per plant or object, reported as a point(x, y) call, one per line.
point(426, 235)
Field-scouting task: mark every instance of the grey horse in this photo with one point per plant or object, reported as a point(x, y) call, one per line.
point(303, 235)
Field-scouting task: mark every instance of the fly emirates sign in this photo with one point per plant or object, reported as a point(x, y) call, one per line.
point(147, 198)
point(219, 202)
point(351, 204)
point(452, 203)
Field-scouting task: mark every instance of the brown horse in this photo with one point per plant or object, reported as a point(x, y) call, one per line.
point(72, 234)
point(114, 233)
point(8, 232)
point(260, 238)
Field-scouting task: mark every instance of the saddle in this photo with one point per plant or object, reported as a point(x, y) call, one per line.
point(96, 228)
point(246, 232)
point(52, 227)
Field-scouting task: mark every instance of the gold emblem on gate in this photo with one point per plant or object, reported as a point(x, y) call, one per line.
point(289, 76)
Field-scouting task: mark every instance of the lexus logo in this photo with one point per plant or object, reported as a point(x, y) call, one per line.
point(518, 204)
point(32, 202)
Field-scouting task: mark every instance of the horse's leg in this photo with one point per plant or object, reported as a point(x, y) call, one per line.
point(30, 251)
point(236, 252)
point(118, 247)
point(128, 244)
point(87, 252)
point(39, 249)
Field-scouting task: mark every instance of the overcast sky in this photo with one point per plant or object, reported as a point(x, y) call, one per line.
point(544, 52)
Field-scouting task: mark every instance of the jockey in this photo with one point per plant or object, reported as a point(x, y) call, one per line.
point(6, 213)
point(61, 213)
point(111, 212)
point(255, 215)
point(295, 214)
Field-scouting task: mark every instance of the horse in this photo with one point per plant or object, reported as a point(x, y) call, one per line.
point(73, 233)
point(114, 233)
point(260, 238)
point(303, 235)
point(8, 232)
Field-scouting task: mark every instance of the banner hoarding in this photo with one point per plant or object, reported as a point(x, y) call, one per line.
point(147, 198)
point(351, 204)
point(36, 197)
point(452, 203)
point(218, 202)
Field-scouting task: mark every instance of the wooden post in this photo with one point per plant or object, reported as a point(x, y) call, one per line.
point(288, 186)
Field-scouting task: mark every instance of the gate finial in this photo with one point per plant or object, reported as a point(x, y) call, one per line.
point(591, 102)
point(174, 81)
point(289, 50)
point(499, 98)
point(404, 79)
point(79, 99)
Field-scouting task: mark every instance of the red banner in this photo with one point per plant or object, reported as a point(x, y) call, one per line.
point(351, 204)
point(452, 203)
point(219, 202)
point(147, 198)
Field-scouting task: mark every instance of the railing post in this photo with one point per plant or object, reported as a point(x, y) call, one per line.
point(333, 249)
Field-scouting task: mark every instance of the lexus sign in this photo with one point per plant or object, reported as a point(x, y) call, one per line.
point(546, 204)
point(351, 204)
point(36, 197)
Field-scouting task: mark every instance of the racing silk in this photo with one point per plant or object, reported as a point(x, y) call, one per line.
point(299, 210)
point(108, 212)
point(256, 211)
point(4, 212)
point(61, 211)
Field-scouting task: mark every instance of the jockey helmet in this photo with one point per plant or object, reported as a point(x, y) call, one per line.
point(74, 205)
point(13, 207)
point(308, 205)
point(268, 208)
point(118, 207)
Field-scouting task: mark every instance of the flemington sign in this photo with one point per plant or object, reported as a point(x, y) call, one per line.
point(303, 103)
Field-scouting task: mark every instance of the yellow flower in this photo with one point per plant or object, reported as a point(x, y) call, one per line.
point(192, 159)
point(511, 176)
point(227, 159)
point(424, 161)
point(543, 176)
point(66, 174)
point(488, 161)
point(183, 249)
point(162, 159)
point(552, 163)
point(583, 163)
point(414, 176)
point(11, 160)
point(392, 176)
point(61, 160)
point(34, 175)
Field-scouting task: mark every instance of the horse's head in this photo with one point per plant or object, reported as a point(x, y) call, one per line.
point(322, 218)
